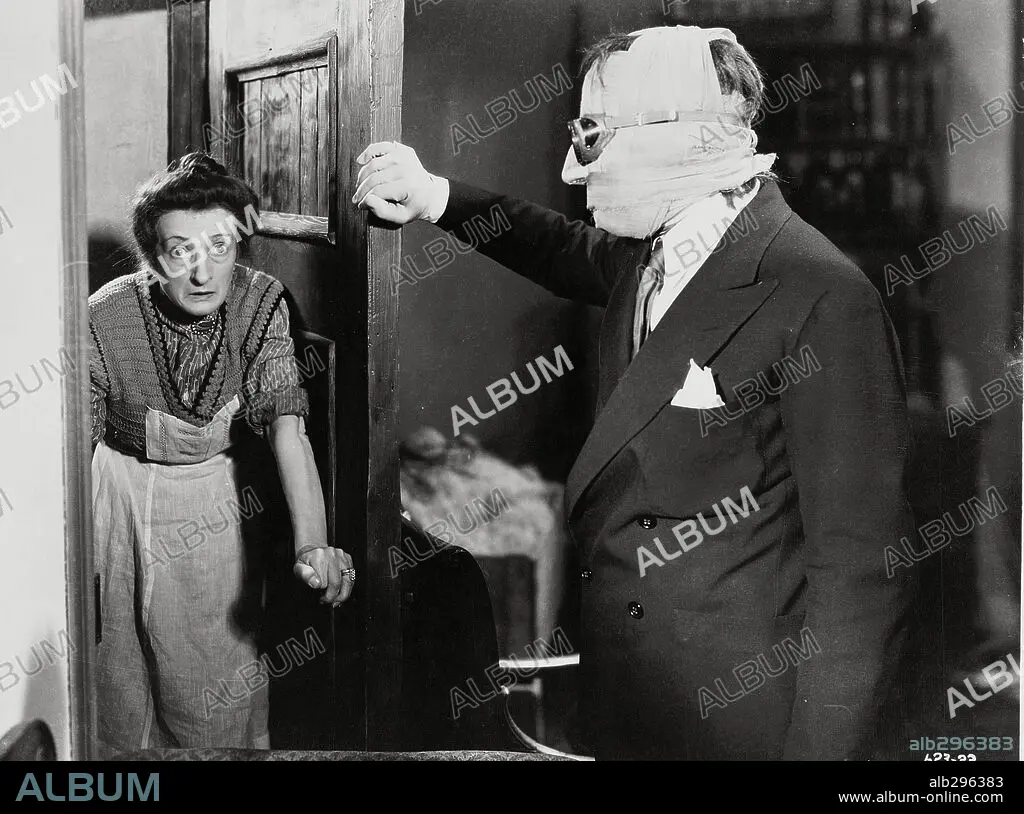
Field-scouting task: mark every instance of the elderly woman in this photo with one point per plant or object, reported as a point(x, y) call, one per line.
point(196, 394)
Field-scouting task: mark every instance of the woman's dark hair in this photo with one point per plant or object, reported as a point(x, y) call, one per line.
point(193, 182)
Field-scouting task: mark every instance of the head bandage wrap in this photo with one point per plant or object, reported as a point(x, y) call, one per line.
point(647, 176)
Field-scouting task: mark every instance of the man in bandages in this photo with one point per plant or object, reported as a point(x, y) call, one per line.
point(745, 471)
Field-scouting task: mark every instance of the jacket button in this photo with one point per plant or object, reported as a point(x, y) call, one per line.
point(647, 522)
point(586, 575)
point(636, 610)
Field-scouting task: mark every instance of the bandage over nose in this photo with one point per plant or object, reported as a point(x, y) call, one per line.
point(647, 176)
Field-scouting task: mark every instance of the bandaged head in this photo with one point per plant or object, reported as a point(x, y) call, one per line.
point(646, 176)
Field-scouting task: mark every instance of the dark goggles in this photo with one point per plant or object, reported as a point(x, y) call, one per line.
point(591, 134)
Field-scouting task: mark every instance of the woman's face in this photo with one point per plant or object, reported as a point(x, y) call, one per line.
point(196, 257)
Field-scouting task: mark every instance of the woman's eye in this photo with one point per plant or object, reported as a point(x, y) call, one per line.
point(179, 252)
point(219, 249)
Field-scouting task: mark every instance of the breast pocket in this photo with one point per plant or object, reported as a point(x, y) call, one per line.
point(710, 423)
point(688, 456)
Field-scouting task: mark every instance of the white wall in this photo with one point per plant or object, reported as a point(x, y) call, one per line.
point(32, 576)
point(125, 111)
point(125, 86)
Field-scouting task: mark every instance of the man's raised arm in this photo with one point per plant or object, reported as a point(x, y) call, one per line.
point(569, 258)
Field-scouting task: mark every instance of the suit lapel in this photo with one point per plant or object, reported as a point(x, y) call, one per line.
point(723, 295)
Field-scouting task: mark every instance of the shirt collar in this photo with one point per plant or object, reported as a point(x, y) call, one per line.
point(698, 231)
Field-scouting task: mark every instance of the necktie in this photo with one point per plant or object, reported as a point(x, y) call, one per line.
point(652, 280)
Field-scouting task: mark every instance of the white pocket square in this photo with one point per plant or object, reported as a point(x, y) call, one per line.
point(698, 391)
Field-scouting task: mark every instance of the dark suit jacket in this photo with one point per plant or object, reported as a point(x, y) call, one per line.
point(691, 660)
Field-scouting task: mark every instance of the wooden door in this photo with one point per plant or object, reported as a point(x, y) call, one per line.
point(286, 94)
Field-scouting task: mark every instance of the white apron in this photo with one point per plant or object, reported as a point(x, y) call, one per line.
point(178, 551)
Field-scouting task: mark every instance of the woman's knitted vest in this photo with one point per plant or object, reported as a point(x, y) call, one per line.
point(135, 365)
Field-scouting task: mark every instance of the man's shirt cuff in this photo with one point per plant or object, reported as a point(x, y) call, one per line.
point(442, 189)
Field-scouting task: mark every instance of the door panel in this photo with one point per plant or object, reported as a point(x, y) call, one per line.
point(280, 120)
point(299, 636)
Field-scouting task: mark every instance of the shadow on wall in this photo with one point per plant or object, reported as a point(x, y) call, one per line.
point(474, 323)
point(547, 428)
point(109, 258)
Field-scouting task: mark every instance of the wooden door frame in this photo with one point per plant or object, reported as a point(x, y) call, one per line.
point(372, 90)
point(188, 105)
point(82, 589)
point(370, 94)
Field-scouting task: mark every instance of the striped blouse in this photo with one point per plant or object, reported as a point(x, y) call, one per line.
point(272, 387)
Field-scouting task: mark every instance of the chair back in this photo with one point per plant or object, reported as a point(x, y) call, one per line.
point(449, 643)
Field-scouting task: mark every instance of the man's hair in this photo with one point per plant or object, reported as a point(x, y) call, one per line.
point(737, 72)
